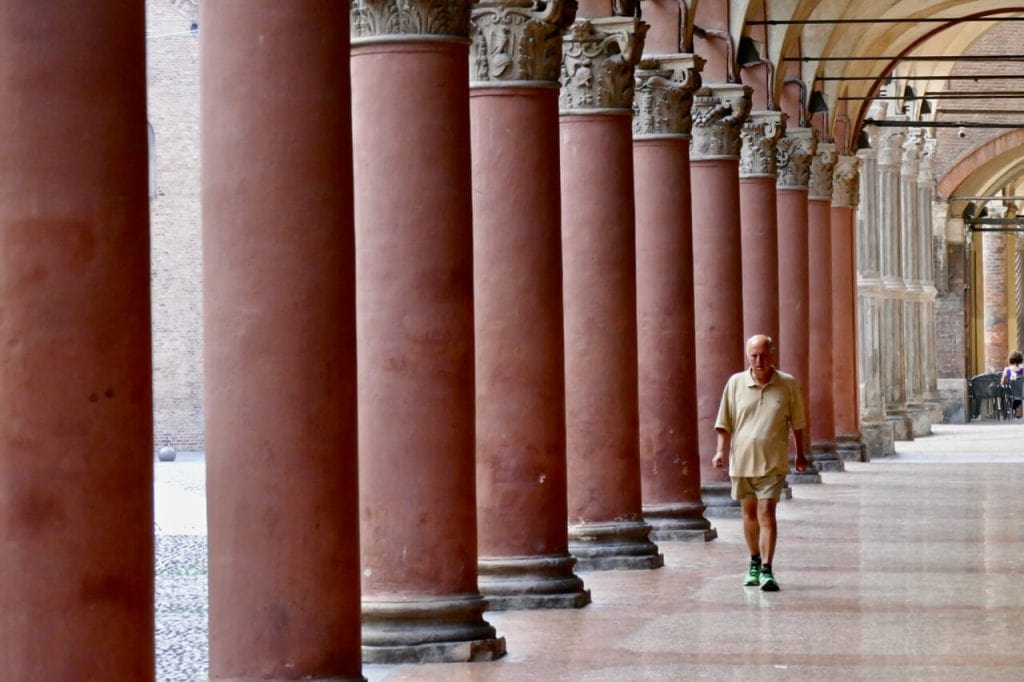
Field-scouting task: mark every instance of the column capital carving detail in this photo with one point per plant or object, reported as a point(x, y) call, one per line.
point(719, 112)
point(402, 19)
point(518, 40)
point(664, 94)
point(890, 146)
point(819, 185)
point(760, 135)
point(598, 59)
point(794, 152)
point(926, 173)
point(913, 145)
point(846, 181)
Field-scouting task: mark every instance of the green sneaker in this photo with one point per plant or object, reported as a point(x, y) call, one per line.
point(753, 575)
point(768, 583)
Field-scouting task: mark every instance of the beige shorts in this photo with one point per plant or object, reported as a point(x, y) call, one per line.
point(762, 487)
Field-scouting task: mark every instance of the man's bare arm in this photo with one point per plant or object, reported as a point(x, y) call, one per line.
point(801, 461)
point(721, 458)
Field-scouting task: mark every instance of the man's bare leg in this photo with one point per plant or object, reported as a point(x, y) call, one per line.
point(751, 526)
point(768, 528)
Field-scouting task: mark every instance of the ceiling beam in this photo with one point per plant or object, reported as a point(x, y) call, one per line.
point(907, 20)
point(913, 58)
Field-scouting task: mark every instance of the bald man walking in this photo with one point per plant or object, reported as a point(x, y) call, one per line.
point(760, 406)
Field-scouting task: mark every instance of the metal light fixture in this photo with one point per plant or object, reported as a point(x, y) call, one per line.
point(747, 53)
point(817, 103)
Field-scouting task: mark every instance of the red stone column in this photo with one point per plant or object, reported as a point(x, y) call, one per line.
point(758, 223)
point(719, 112)
point(414, 324)
point(669, 456)
point(76, 470)
point(279, 303)
point(517, 264)
point(606, 526)
point(795, 150)
point(819, 244)
point(845, 379)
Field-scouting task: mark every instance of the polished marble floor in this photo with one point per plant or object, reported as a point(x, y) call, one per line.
point(903, 568)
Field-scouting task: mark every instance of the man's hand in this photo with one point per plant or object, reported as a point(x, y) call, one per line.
point(718, 461)
point(801, 462)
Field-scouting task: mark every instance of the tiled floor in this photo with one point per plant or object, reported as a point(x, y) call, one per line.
point(905, 568)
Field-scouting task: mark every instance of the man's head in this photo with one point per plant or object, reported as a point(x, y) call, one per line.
point(761, 356)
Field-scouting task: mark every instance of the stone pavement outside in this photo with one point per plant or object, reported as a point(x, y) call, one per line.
point(905, 568)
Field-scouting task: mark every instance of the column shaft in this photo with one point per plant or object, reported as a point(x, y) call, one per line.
point(719, 113)
point(820, 390)
point(520, 397)
point(602, 413)
point(76, 508)
point(414, 306)
point(279, 302)
point(845, 377)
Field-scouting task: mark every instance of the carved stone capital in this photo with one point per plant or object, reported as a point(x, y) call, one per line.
point(846, 181)
point(913, 145)
point(598, 58)
point(664, 94)
point(794, 152)
point(719, 112)
point(890, 146)
point(760, 134)
point(820, 183)
point(926, 173)
point(518, 40)
point(377, 19)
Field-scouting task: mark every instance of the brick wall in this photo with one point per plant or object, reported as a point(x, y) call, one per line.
point(172, 72)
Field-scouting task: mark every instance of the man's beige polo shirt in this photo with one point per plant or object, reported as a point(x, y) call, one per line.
point(758, 419)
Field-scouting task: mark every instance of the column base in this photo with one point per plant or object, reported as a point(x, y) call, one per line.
point(682, 521)
point(878, 439)
point(717, 497)
point(826, 456)
point(535, 582)
point(429, 630)
point(920, 419)
point(902, 425)
point(851, 447)
point(614, 545)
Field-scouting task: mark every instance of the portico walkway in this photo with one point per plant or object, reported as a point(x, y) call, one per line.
point(902, 568)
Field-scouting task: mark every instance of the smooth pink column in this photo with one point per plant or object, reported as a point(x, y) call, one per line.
point(821, 387)
point(669, 453)
point(520, 392)
point(795, 151)
point(844, 334)
point(761, 260)
point(414, 302)
point(76, 438)
point(602, 420)
point(279, 303)
point(719, 112)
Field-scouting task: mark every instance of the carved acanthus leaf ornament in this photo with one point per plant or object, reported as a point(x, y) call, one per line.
point(759, 136)
point(518, 40)
point(379, 18)
point(719, 112)
point(846, 181)
point(664, 94)
point(822, 164)
point(598, 59)
point(793, 155)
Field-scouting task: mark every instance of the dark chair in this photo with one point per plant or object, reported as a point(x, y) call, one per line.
point(986, 396)
point(1014, 393)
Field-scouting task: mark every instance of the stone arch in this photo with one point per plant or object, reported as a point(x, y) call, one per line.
point(983, 162)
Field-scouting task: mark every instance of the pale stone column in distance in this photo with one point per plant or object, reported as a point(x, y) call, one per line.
point(606, 526)
point(759, 222)
point(877, 432)
point(794, 154)
point(414, 331)
point(76, 469)
point(280, 355)
point(890, 156)
point(669, 454)
point(913, 298)
point(523, 540)
point(820, 391)
point(849, 441)
point(929, 329)
point(719, 111)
